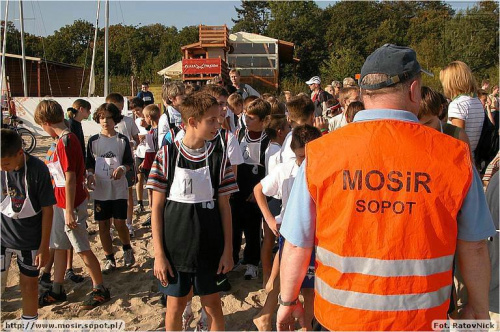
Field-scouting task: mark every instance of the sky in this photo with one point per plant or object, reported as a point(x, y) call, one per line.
point(42, 18)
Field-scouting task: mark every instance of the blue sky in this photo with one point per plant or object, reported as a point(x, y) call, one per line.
point(44, 17)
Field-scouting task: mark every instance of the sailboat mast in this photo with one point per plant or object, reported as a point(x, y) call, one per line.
point(4, 46)
point(21, 17)
point(92, 70)
point(106, 49)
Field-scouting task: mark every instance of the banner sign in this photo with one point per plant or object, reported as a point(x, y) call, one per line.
point(201, 66)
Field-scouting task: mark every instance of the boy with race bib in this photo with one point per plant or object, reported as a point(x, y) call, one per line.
point(109, 157)
point(27, 201)
point(191, 181)
point(69, 224)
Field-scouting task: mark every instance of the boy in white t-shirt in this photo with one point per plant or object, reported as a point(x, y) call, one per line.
point(300, 112)
point(128, 128)
point(137, 106)
point(109, 157)
point(235, 112)
point(277, 128)
point(279, 182)
point(172, 95)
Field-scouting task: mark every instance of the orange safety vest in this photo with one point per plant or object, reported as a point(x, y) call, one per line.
point(387, 201)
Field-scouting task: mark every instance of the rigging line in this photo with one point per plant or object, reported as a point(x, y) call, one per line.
point(43, 47)
point(128, 39)
point(85, 62)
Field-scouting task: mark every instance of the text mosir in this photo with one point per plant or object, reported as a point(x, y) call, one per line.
point(374, 180)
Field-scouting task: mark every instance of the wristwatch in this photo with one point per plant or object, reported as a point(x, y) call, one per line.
point(287, 303)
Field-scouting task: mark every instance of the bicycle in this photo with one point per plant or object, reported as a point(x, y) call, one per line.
point(27, 137)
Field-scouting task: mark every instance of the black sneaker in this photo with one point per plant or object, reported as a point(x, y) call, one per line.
point(96, 298)
point(76, 278)
point(49, 297)
point(147, 223)
point(45, 281)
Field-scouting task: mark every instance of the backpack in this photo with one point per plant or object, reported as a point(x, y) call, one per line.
point(487, 147)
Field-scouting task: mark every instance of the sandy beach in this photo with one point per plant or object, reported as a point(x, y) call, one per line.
point(134, 292)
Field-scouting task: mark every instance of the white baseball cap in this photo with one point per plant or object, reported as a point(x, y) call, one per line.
point(314, 80)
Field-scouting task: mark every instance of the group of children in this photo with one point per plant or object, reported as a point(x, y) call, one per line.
point(216, 167)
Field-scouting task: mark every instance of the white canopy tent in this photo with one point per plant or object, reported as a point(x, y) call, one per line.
point(171, 71)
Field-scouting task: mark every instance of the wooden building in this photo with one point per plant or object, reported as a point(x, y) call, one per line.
point(257, 57)
point(207, 58)
point(44, 77)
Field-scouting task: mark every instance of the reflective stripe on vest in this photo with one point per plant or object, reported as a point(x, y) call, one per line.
point(384, 268)
point(374, 302)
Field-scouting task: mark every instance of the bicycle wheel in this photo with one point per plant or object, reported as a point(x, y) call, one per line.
point(29, 140)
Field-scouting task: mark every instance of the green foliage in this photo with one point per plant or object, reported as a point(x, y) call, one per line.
point(253, 16)
point(302, 23)
point(342, 63)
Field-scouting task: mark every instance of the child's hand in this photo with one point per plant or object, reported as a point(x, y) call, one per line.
point(273, 225)
point(226, 262)
point(91, 181)
point(42, 257)
point(69, 218)
point(117, 173)
point(320, 123)
point(162, 269)
point(251, 198)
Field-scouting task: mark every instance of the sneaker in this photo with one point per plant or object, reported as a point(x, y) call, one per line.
point(187, 318)
point(139, 209)
point(147, 223)
point(45, 281)
point(96, 298)
point(48, 297)
point(109, 266)
point(128, 257)
point(202, 325)
point(252, 272)
point(70, 275)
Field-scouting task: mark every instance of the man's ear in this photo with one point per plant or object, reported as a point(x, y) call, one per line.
point(415, 93)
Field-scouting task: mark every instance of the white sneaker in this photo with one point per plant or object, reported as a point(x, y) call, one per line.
point(202, 325)
point(128, 257)
point(252, 272)
point(109, 266)
point(187, 316)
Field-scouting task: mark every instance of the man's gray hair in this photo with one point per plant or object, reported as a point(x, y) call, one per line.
point(371, 79)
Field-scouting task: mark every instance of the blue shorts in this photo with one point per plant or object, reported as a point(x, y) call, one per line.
point(308, 281)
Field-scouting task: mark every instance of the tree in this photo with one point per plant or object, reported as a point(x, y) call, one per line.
point(253, 16)
point(300, 22)
point(342, 63)
point(70, 43)
point(472, 37)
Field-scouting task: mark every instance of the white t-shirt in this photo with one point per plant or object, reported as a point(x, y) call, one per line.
point(338, 121)
point(471, 111)
point(127, 127)
point(272, 149)
point(140, 150)
point(286, 149)
point(279, 182)
point(162, 128)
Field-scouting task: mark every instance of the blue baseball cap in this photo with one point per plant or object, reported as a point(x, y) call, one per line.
point(398, 62)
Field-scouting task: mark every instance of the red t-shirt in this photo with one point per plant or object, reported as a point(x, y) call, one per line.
point(69, 153)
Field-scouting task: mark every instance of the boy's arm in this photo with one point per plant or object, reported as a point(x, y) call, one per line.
point(162, 267)
point(226, 262)
point(70, 188)
point(264, 208)
point(42, 255)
